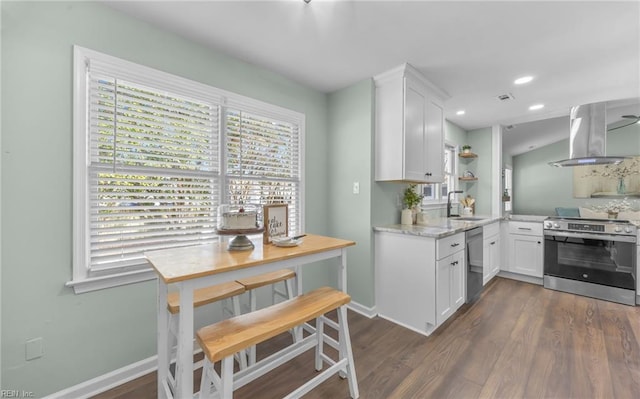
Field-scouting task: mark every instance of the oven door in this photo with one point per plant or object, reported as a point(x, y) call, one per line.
point(601, 259)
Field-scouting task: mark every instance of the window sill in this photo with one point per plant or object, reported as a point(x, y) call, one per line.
point(434, 205)
point(89, 284)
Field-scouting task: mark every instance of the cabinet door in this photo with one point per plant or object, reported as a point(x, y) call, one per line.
point(414, 135)
point(434, 142)
point(443, 289)
point(486, 261)
point(458, 269)
point(491, 258)
point(495, 255)
point(449, 285)
point(525, 255)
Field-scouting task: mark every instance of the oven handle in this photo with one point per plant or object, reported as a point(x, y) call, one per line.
point(603, 237)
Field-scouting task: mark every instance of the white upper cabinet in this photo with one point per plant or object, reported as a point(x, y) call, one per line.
point(409, 127)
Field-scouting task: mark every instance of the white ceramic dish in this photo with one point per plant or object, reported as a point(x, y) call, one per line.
point(286, 242)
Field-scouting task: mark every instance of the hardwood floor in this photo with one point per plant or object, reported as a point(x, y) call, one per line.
point(517, 341)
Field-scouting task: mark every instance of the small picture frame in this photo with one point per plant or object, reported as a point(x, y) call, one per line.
point(276, 221)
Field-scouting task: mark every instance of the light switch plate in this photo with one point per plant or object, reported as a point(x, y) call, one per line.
point(356, 187)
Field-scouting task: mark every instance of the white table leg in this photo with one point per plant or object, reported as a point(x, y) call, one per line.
point(162, 338)
point(184, 357)
point(342, 275)
point(298, 270)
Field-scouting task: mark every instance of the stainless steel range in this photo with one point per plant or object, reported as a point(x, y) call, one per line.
point(591, 257)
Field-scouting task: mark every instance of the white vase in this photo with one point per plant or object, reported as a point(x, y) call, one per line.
point(406, 217)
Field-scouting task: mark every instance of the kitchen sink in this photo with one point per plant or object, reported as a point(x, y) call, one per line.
point(469, 218)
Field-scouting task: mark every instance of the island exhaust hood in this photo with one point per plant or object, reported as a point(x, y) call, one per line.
point(588, 137)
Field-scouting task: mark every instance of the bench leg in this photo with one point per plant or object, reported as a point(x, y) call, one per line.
point(242, 354)
point(253, 306)
point(205, 380)
point(345, 351)
point(172, 329)
point(226, 369)
point(296, 332)
point(319, 342)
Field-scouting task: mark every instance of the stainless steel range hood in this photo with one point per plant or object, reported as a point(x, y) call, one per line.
point(588, 137)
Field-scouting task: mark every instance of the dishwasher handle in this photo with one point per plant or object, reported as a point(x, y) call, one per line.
point(477, 231)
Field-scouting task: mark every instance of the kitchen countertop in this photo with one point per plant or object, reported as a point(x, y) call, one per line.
point(527, 218)
point(438, 228)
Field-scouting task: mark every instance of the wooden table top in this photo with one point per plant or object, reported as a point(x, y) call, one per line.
point(178, 264)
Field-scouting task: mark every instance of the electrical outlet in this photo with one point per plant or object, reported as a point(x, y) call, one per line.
point(356, 187)
point(34, 348)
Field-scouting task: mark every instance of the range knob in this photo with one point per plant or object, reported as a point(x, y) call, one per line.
point(547, 225)
point(617, 229)
point(628, 229)
point(556, 225)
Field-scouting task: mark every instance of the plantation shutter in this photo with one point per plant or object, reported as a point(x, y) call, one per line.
point(153, 169)
point(263, 161)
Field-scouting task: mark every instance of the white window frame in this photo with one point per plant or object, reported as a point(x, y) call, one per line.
point(82, 279)
point(440, 199)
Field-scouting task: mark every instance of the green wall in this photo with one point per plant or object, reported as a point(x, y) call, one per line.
point(91, 334)
point(539, 188)
point(454, 134)
point(351, 119)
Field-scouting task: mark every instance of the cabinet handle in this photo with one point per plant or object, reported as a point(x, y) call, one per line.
point(428, 174)
point(454, 263)
point(539, 242)
point(524, 228)
point(493, 243)
point(455, 244)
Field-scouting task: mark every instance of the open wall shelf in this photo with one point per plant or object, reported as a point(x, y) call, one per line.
point(467, 155)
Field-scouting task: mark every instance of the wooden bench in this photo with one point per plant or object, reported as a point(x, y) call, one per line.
point(205, 296)
point(222, 340)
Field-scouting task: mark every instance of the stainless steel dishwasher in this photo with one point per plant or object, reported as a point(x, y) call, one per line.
point(474, 263)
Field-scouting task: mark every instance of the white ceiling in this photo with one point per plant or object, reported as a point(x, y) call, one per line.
point(577, 51)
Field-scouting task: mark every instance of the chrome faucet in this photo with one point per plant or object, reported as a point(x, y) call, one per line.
point(449, 201)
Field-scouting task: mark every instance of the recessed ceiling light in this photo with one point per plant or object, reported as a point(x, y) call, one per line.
point(523, 80)
point(536, 106)
point(461, 112)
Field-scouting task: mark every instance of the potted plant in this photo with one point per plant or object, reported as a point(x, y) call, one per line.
point(410, 200)
point(466, 148)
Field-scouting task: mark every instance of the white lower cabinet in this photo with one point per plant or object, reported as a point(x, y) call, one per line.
point(450, 285)
point(413, 287)
point(491, 252)
point(526, 248)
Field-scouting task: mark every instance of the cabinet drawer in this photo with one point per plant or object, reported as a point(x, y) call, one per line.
point(526, 228)
point(491, 229)
point(449, 245)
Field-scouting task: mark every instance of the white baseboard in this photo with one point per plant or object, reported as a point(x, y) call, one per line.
point(421, 332)
point(363, 310)
point(108, 381)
